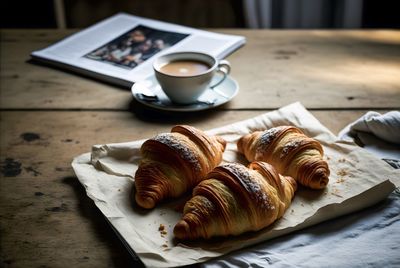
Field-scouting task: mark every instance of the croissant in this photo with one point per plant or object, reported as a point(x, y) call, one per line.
point(234, 199)
point(172, 163)
point(290, 151)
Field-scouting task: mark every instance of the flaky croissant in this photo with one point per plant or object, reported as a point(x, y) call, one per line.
point(235, 199)
point(173, 163)
point(291, 152)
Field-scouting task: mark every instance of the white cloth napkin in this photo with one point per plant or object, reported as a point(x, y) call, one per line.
point(368, 238)
point(378, 133)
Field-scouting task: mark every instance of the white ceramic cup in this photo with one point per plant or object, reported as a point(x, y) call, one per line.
point(187, 89)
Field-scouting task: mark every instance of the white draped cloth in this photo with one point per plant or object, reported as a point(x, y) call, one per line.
point(378, 133)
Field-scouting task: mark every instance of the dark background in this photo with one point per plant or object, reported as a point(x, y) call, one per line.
point(196, 13)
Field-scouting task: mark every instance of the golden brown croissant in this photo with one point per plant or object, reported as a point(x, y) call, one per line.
point(291, 152)
point(173, 163)
point(235, 199)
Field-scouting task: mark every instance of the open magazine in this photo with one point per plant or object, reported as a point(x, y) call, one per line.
point(122, 48)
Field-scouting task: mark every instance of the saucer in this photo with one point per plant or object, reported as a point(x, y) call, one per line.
point(211, 98)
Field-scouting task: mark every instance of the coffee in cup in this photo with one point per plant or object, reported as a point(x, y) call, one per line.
point(184, 76)
point(185, 68)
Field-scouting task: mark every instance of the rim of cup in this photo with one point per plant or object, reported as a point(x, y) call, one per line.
point(157, 66)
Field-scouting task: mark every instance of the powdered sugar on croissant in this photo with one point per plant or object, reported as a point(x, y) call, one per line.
point(235, 199)
point(290, 151)
point(173, 163)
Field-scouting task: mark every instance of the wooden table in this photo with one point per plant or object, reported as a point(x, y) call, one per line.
point(49, 116)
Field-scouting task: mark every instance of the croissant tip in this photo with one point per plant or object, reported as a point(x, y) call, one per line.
point(181, 230)
point(319, 184)
point(323, 183)
point(221, 141)
point(240, 142)
point(292, 182)
point(145, 202)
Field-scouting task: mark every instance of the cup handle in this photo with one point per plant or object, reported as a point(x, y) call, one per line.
point(223, 67)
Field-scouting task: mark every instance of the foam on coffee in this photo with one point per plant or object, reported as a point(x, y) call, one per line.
point(185, 67)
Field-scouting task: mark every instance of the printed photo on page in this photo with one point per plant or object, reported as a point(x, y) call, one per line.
point(135, 46)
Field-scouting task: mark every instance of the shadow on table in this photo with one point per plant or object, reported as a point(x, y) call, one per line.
point(149, 114)
point(102, 229)
point(76, 72)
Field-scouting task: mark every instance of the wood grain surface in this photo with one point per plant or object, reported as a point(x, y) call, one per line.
point(321, 69)
point(48, 117)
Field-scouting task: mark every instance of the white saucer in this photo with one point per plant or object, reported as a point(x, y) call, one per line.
point(211, 98)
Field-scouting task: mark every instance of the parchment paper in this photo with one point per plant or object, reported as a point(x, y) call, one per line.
point(358, 179)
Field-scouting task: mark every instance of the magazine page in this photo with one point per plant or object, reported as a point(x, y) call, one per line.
point(123, 46)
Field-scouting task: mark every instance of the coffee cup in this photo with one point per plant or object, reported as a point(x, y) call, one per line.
point(185, 76)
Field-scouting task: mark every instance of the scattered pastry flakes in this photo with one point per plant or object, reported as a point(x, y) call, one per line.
point(162, 230)
point(340, 180)
point(342, 160)
point(335, 192)
point(342, 172)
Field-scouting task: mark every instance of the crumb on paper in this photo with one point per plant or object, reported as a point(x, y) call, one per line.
point(328, 158)
point(342, 172)
point(340, 180)
point(162, 213)
point(302, 204)
point(165, 245)
point(342, 160)
point(335, 192)
point(119, 190)
point(292, 211)
point(162, 230)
